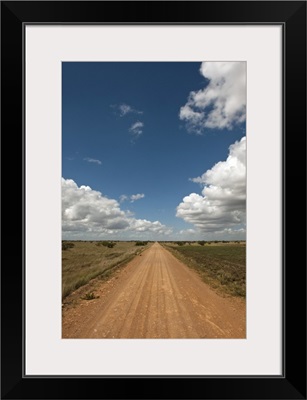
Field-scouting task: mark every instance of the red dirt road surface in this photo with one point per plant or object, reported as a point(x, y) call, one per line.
point(155, 296)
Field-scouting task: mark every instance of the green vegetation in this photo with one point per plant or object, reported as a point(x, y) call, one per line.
point(90, 296)
point(222, 265)
point(110, 245)
point(139, 243)
point(86, 260)
point(67, 245)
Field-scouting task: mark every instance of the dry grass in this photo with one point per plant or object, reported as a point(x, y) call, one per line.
point(87, 260)
point(221, 265)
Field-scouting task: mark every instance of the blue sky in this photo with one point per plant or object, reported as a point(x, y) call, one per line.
point(134, 135)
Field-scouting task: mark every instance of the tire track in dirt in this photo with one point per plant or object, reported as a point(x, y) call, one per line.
point(156, 296)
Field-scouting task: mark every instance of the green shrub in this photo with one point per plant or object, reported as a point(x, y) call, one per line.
point(110, 245)
point(139, 243)
point(67, 245)
point(90, 296)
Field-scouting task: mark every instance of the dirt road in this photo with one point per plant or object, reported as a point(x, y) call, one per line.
point(155, 296)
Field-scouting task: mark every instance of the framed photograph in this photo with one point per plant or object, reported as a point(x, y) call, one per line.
point(162, 147)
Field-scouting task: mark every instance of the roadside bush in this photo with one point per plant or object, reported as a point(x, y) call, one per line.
point(90, 296)
point(110, 245)
point(201, 242)
point(139, 243)
point(67, 245)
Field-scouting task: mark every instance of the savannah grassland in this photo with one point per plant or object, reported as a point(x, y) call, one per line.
point(222, 265)
point(82, 261)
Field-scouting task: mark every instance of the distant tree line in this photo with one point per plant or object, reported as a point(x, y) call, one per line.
point(203, 242)
point(106, 243)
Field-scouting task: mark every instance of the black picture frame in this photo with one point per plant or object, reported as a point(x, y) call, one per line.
point(292, 16)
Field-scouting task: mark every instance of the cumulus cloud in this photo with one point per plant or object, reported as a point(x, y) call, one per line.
point(124, 109)
point(188, 232)
point(92, 160)
point(221, 206)
point(87, 213)
point(142, 225)
point(136, 129)
point(222, 103)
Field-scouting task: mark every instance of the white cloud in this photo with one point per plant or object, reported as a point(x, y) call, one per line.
point(222, 103)
point(222, 203)
point(88, 214)
point(132, 198)
point(188, 233)
point(137, 128)
point(92, 160)
point(198, 234)
point(142, 225)
point(125, 109)
point(135, 197)
point(123, 198)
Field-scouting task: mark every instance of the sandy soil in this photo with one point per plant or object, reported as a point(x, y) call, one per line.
point(155, 296)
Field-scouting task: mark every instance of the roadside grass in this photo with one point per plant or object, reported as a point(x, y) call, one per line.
point(88, 260)
point(222, 266)
point(90, 296)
